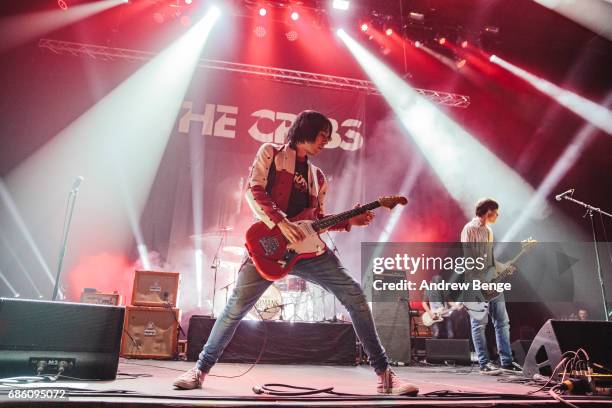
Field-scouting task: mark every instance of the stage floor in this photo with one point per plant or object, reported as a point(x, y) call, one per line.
point(149, 382)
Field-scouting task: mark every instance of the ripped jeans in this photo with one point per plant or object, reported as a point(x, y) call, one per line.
point(324, 270)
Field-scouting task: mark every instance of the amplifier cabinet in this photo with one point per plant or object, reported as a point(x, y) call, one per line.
point(152, 288)
point(150, 332)
point(99, 298)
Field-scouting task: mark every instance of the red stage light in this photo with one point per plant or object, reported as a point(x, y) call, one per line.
point(260, 31)
point(442, 41)
point(464, 44)
point(295, 16)
point(263, 11)
point(62, 4)
point(364, 27)
point(188, 1)
point(389, 31)
point(417, 44)
point(461, 63)
point(291, 35)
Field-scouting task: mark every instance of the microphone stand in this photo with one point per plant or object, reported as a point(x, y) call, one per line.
point(589, 211)
point(67, 220)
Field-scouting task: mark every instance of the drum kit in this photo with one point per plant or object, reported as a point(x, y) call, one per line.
point(291, 298)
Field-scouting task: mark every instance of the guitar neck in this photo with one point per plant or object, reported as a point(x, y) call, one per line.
point(504, 274)
point(332, 220)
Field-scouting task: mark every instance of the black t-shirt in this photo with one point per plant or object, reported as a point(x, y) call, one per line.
point(299, 199)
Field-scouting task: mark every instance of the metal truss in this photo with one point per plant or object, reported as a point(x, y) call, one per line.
point(277, 74)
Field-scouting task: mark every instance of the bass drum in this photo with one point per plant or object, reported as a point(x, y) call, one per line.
point(268, 306)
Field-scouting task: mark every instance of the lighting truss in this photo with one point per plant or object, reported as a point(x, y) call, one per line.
point(311, 79)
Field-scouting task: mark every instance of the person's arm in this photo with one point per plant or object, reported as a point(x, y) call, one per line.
point(257, 197)
point(260, 201)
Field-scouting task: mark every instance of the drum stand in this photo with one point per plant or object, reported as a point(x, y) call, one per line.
point(216, 262)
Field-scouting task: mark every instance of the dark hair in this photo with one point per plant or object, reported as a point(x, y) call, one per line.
point(485, 204)
point(307, 126)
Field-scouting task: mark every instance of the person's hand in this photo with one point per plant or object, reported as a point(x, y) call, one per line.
point(291, 231)
point(362, 219)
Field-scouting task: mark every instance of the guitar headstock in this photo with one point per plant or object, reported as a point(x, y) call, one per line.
point(528, 243)
point(391, 201)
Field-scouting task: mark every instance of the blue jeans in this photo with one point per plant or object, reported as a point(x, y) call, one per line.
point(501, 323)
point(324, 270)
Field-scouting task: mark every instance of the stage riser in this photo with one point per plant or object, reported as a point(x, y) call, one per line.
point(285, 342)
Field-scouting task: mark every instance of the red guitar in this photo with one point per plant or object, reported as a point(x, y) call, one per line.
point(274, 256)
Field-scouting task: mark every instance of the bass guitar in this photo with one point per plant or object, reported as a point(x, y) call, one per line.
point(274, 256)
point(479, 309)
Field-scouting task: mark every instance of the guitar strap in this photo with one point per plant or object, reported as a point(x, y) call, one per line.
point(271, 174)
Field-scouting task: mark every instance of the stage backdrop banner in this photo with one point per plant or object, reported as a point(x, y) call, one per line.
point(200, 185)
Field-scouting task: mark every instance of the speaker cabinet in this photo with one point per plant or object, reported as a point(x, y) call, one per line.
point(40, 336)
point(558, 336)
point(452, 351)
point(155, 289)
point(150, 332)
point(392, 322)
point(519, 350)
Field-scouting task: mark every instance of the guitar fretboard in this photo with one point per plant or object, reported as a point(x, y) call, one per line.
point(332, 220)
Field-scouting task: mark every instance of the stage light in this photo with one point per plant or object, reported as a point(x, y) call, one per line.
point(263, 11)
point(388, 31)
point(464, 44)
point(491, 30)
point(417, 44)
point(294, 15)
point(442, 41)
point(444, 143)
point(364, 27)
point(341, 4)
point(188, 2)
point(62, 4)
point(260, 31)
point(416, 16)
point(588, 110)
point(461, 63)
point(291, 35)
point(123, 176)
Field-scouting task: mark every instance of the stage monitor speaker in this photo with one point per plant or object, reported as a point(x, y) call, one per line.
point(39, 337)
point(558, 336)
point(392, 320)
point(150, 332)
point(448, 351)
point(155, 289)
point(519, 350)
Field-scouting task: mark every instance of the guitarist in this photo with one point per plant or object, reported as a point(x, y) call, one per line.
point(477, 237)
point(283, 182)
point(436, 305)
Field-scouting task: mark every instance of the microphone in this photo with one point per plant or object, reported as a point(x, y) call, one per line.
point(561, 196)
point(77, 183)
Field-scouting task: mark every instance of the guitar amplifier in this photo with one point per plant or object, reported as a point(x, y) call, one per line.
point(153, 288)
point(99, 298)
point(150, 332)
